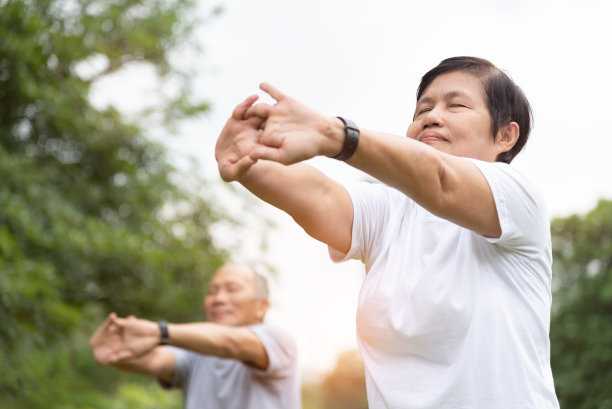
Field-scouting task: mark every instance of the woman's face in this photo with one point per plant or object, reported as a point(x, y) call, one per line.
point(452, 116)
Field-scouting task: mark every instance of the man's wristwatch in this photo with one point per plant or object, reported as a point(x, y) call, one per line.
point(165, 336)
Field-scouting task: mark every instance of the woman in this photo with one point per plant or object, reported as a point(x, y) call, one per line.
point(455, 308)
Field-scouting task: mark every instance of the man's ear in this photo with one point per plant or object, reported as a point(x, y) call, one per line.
point(261, 309)
point(507, 137)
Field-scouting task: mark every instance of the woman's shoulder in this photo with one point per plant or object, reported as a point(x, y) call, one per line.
point(509, 177)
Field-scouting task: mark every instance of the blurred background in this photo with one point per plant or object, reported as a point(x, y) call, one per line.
point(110, 198)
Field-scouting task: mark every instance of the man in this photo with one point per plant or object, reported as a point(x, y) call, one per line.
point(231, 361)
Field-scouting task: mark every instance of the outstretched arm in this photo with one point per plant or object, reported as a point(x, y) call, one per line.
point(140, 337)
point(320, 205)
point(446, 185)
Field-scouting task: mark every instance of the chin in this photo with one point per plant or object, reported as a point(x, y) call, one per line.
point(224, 319)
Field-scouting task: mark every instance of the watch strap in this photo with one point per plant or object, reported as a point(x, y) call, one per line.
point(351, 139)
point(165, 336)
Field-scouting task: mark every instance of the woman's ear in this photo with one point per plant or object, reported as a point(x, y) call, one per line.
point(507, 137)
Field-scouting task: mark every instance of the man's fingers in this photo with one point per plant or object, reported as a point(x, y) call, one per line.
point(108, 323)
point(108, 320)
point(120, 355)
point(242, 107)
point(273, 92)
point(118, 322)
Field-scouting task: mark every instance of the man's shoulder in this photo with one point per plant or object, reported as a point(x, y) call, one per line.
point(273, 331)
point(275, 338)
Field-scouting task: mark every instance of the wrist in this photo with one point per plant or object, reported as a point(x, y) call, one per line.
point(350, 141)
point(334, 137)
point(164, 334)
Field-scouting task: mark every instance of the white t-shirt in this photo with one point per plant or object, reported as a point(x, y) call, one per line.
point(209, 382)
point(446, 317)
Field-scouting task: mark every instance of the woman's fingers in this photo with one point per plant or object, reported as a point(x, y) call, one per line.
point(242, 107)
point(272, 91)
point(261, 110)
point(234, 168)
point(266, 153)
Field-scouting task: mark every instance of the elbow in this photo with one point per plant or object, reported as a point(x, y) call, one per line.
point(434, 187)
point(232, 348)
point(246, 348)
point(442, 200)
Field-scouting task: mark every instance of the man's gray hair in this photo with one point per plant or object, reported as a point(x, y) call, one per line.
point(261, 286)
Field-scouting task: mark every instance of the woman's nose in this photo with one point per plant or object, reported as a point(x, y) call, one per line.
point(433, 117)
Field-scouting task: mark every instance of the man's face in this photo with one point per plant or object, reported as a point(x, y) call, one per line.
point(452, 116)
point(231, 300)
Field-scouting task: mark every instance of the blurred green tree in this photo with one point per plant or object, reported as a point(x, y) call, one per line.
point(581, 326)
point(93, 217)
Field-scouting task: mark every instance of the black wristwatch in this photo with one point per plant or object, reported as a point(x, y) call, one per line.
point(165, 336)
point(351, 139)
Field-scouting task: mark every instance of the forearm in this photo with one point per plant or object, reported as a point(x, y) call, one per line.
point(409, 166)
point(405, 164)
point(219, 340)
point(447, 186)
point(158, 363)
point(320, 205)
point(141, 364)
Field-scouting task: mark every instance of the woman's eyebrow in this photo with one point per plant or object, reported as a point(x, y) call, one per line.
point(447, 96)
point(425, 100)
point(455, 94)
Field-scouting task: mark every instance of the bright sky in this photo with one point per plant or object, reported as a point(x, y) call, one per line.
point(363, 60)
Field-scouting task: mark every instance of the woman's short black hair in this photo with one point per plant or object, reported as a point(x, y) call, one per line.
point(506, 101)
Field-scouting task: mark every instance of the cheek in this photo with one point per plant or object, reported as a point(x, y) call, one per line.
point(483, 123)
point(413, 131)
point(238, 300)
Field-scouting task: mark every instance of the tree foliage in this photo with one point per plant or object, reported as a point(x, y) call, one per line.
point(581, 327)
point(93, 217)
point(343, 388)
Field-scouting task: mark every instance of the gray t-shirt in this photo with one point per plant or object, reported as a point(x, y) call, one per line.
point(209, 382)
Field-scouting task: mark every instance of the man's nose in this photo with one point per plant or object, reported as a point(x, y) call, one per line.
point(219, 298)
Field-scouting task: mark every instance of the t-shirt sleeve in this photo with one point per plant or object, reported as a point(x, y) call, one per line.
point(182, 369)
point(520, 207)
point(281, 349)
point(370, 215)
